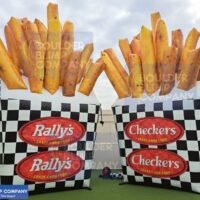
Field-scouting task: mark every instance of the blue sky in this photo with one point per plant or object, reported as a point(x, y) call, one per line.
point(108, 21)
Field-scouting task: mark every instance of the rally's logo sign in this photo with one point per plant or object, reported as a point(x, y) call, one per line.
point(49, 166)
point(154, 131)
point(157, 163)
point(52, 132)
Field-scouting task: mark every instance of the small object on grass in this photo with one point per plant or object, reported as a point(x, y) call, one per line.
point(107, 174)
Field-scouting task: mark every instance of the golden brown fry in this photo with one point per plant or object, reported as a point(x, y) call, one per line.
point(24, 20)
point(52, 11)
point(85, 56)
point(190, 44)
point(192, 39)
point(21, 43)
point(31, 32)
point(42, 30)
point(118, 65)
point(177, 41)
point(12, 46)
point(198, 66)
point(125, 49)
point(115, 78)
point(87, 67)
point(148, 61)
point(136, 78)
point(168, 70)
point(136, 47)
point(71, 74)
point(91, 77)
point(161, 44)
point(36, 56)
point(36, 52)
point(154, 19)
point(67, 48)
point(53, 50)
point(189, 72)
point(8, 71)
point(137, 36)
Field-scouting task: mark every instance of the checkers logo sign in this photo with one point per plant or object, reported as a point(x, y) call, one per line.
point(154, 131)
point(52, 132)
point(49, 166)
point(157, 163)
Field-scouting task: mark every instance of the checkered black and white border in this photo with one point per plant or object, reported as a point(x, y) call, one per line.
point(186, 113)
point(16, 113)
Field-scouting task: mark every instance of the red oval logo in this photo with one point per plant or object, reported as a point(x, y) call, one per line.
point(52, 132)
point(49, 166)
point(154, 131)
point(157, 163)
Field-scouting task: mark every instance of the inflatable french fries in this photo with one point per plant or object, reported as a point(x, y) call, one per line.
point(115, 77)
point(21, 43)
point(31, 32)
point(36, 54)
point(125, 49)
point(91, 77)
point(47, 56)
point(177, 42)
point(85, 56)
point(53, 51)
point(87, 66)
point(136, 46)
point(136, 77)
point(190, 44)
point(12, 46)
point(168, 70)
point(67, 48)
point(155, 17)
point(8, 71)
point(117, 64)
point(148, 61)
point(153, 64)
point(71, 74)
point(42, 29)
point(161, 44)
point(189, 72)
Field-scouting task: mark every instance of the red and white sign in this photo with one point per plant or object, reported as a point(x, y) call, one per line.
point(52, 132)
point(154, 131)
point(49, 166)
point(157, 163)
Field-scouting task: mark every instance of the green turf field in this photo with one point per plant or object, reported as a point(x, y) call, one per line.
point(111, 190)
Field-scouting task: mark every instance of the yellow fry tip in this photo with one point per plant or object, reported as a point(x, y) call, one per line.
point(144, 28)
point(12, 19)
point(37, 20)
point(68, 22)
point(155, 13)
point(161, 21)
point(123, 39)
point(52, 4)
point(89, 44)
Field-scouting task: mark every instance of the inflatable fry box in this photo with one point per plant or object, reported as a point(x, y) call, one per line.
point(159, 139)
point(48, 140)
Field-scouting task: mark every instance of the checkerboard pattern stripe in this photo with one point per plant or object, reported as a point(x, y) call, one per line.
point(186, 113)
point(15, 113)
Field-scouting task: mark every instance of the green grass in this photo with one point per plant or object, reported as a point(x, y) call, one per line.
point(111, 190)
